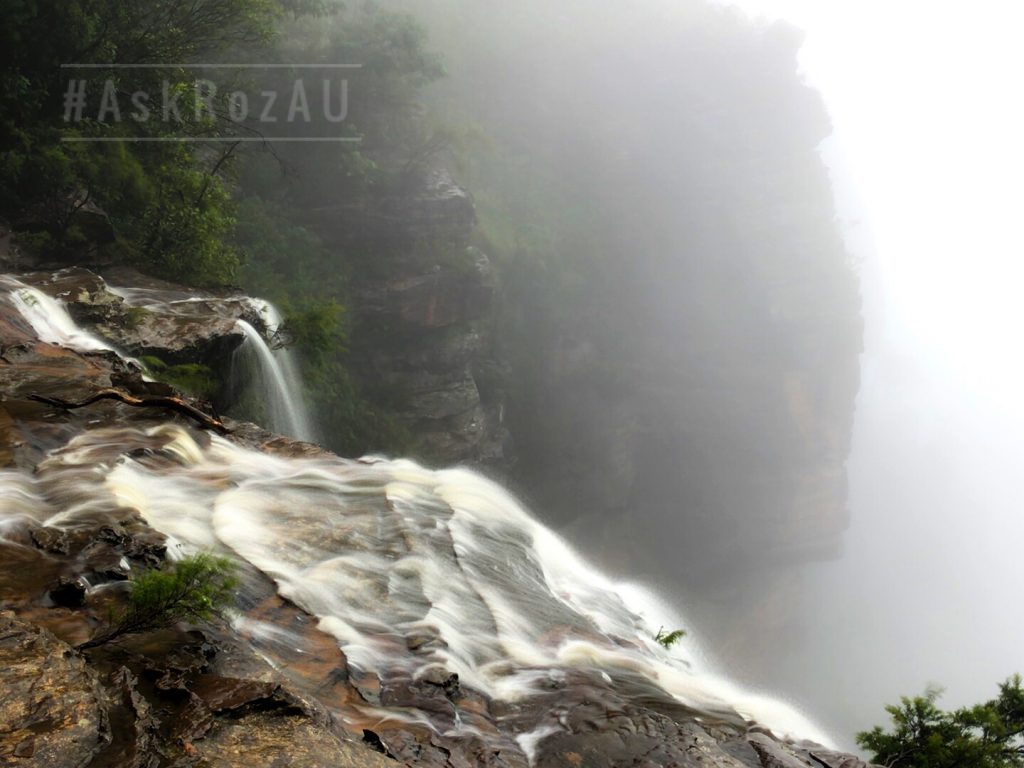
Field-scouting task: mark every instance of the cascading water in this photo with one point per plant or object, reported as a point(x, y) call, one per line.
point(268, 375)
point(286, 360)
point(49, 319)
point(273, 376)
point(415, 574)
point(410, 570)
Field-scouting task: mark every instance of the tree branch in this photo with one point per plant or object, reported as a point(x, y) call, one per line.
point(176, 404)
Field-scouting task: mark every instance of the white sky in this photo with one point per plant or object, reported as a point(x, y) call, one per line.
point(927, 99)
point(928, 104)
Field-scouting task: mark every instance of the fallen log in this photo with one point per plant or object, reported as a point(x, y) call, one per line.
point(176, 404)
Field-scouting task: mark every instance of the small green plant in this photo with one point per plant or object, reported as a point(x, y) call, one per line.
point(134, 317)
point(191, 378)
point(668, 639)
point(192, 589)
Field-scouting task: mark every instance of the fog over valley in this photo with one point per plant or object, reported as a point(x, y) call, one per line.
point(515, 384)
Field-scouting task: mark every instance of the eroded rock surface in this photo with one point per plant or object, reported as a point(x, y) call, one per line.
point(51, 711)
point(423, 314)
point(282, 742)
point(161, 320)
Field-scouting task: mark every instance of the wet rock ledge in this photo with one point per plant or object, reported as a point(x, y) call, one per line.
point(215, 695)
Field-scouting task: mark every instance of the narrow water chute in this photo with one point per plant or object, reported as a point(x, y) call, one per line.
point(50, 319)
point(272, 376)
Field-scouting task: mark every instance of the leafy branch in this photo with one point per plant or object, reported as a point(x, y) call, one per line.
point(192, 589)
point(668, 639)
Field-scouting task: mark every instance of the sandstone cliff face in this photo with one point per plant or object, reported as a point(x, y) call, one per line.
point(422, 307)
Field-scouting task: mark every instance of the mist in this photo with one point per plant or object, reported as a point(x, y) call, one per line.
point(559, 373)
point(925, 177)
point(927, 171)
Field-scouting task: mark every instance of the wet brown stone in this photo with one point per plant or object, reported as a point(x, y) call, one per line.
point(131, 725)
point(69, 593)
point(282, 742)
point(46, 369)
point(51, 540)
point(25, 573)
point(51, 708)
point(228, 694)
point(314, 663)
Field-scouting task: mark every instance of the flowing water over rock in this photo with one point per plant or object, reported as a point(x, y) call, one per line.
point(424, 578)
point(424, 610)
point(49, 319)
point(268, 375)
point(175, 326)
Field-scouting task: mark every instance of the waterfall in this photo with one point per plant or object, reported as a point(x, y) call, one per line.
point(273, 377)
point(289, 369)
point(270, 377)
point(49, 319)
point(411, 570)
point(416, 574)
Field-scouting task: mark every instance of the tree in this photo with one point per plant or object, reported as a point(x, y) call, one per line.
point(988, 735)
point(168, 204)
point(192, 589)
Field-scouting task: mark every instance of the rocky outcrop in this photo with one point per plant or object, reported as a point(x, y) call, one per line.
point(427, 206)
point(282, 742)
point(151, 317)
point(154, 336)
point(51, 708)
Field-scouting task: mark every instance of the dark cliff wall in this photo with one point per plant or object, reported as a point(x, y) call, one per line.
point(422, 301)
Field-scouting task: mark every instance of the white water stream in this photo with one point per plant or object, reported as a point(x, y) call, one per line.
point(275, 377)
point(407, 567)
point(270, 373)
point(49, 319)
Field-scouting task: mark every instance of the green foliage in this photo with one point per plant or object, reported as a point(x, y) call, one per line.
point(285, 260)
point(185, 223)
point(192, 589)
point(167, 203)
point(133, 318)
point(354, 422)
point(385, 110)
point(988, 735)
point(668, 639)
point(318, 329)
point(191, 378)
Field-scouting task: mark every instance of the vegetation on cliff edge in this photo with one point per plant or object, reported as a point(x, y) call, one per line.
point(987, 735)
point(191, 589)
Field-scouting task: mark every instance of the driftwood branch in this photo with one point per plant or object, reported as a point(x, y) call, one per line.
point(175, 404)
